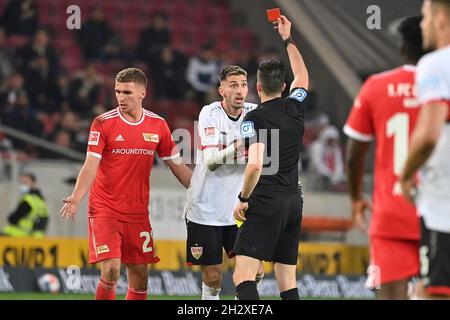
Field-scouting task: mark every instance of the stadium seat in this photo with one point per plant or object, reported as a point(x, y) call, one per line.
point(17, 41)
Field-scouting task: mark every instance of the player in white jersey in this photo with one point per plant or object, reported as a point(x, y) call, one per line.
point(430, 151)
point(217, 179)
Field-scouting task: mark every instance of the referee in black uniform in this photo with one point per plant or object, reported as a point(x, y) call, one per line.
point(271, 202)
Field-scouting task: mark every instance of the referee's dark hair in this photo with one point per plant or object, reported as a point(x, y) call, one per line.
point(409, 30)
point(271, 75)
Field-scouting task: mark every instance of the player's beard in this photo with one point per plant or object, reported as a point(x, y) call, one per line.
point(237, 105)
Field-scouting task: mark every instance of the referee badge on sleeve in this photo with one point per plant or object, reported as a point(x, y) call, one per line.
point(247, 129)
point(299, 94)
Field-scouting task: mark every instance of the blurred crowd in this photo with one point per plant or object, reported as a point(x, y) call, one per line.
point(43, 93)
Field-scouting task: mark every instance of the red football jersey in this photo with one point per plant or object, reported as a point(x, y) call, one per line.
point(126, 150)
point(386, 109)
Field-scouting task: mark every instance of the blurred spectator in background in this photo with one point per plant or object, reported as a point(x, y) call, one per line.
point(22, 116)
point(166, 72)
point(20, 17)
point(94, 35)
point(30, 218)
point(6, 57)
point(10, 90)
point(6, 150)
point(327, 159)
point(63, 139)
point(84, 90)
point(39, 47)
point(202, 74)
point(41, 85)
point(153, 39)
point(69, 132)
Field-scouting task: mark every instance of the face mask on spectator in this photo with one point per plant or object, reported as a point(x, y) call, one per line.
point(23, 189)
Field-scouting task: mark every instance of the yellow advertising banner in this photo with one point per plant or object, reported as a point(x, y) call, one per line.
point(315, 258)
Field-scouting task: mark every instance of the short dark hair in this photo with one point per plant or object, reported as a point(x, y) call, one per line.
point(29, 175)
point(271, 75)
point(409, 30)
point(442, 4)
point(132, 75)
point(231, 71)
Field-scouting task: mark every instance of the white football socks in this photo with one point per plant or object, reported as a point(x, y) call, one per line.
point(259, 278)
point(210, 293)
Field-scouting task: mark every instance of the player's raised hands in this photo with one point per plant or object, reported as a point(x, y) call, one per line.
point(284, 27)
point(70, 208)
point(359, 208)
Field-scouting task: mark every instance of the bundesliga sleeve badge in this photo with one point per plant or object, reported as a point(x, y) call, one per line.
point(94, 137)
point(299, 94)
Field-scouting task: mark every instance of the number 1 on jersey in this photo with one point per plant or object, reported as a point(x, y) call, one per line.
point(398, 127)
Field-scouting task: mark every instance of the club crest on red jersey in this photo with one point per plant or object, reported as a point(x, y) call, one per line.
point(94, 137)
point(151, 137)
point(197, 252)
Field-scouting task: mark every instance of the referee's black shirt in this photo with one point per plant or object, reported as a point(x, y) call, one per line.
point(287, 115)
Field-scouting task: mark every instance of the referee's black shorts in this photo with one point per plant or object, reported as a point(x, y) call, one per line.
point(272, 229)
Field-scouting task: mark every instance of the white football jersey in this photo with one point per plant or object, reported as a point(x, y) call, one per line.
point(433, 202)
point(212, 195)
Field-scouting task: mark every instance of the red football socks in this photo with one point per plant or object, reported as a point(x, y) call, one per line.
point(134, 294)
point(105, 291)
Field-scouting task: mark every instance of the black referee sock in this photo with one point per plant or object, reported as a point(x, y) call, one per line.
point(247, 291)
point(291, 294)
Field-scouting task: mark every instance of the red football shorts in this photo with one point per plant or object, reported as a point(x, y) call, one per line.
point(392, 260)
point(111, 238)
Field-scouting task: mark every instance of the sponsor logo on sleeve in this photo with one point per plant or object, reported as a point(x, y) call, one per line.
point(94, 138)
point(210, 131)
point(299, 94)
point(247, 129)
point(151, 137)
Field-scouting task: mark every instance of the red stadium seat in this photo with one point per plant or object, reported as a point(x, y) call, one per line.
point(17, 41)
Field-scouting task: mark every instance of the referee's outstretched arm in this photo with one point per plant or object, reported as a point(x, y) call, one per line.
point(301, 77)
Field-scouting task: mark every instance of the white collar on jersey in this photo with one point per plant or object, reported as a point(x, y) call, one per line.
point(409, 67)
point(128, 122)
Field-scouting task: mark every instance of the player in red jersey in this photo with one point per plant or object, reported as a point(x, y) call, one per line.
point(121, 148)
point(386, 110)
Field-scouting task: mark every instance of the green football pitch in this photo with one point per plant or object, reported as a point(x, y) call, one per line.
point(56, 296)
point(50, 296)
point(60, 296)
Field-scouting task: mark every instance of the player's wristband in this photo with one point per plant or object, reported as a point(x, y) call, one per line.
point(241, 198)
point(288, 41)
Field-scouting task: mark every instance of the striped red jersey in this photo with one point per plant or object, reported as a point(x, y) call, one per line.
point(127, 150)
